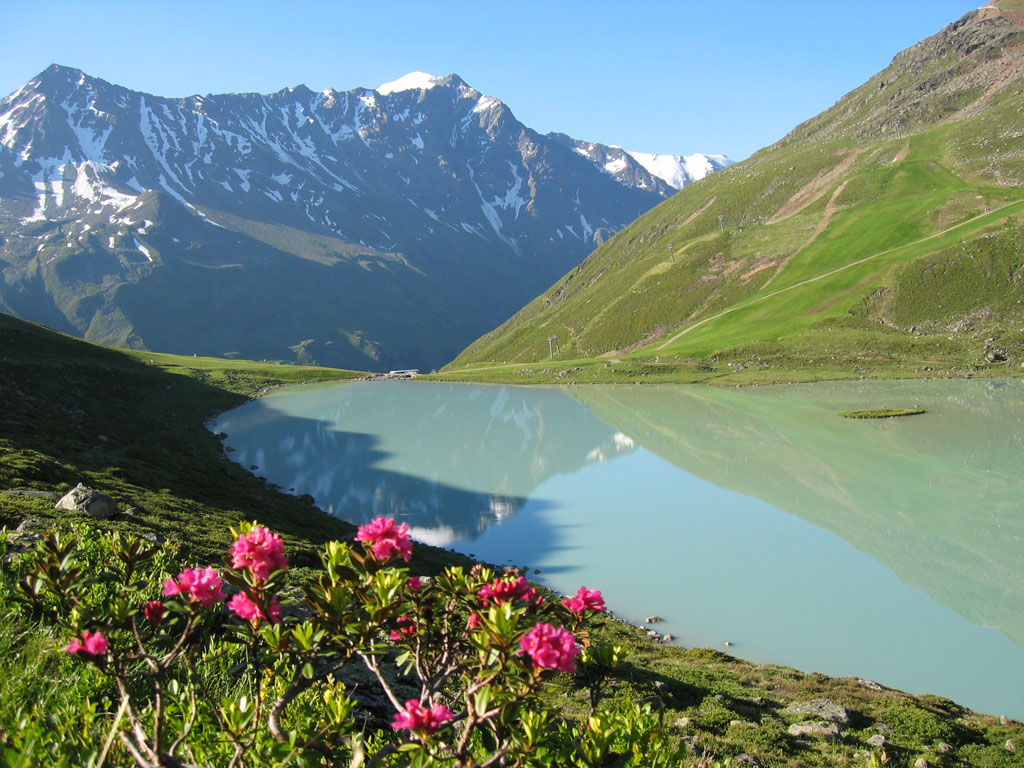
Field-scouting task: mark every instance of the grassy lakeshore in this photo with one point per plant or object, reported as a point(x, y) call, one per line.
point(131, 424)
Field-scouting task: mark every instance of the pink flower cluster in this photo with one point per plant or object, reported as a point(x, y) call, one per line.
point(502, 590)
point(201, 585)
point(248, 609)
point(386, 539)
point(406, 626)
point(417, 717)
point(260, 551)
point(92, 644)
point(550, 647)
point(585, 600)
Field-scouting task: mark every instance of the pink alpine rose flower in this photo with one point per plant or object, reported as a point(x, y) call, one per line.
point(585, 600)
point(505, 589)
point(92, 644)
point(203, 586)
point(550, 647)
point(249, 610)
point(415, 584)
point(385, 538)
point(260, 551)
point(154, 612)
point(419, 718)
point(406, 627)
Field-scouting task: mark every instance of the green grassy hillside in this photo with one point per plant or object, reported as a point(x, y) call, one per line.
point(882, 236)
point(131, 425)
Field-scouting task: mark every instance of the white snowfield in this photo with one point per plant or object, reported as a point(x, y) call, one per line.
point(679, 170)
point(414, 81)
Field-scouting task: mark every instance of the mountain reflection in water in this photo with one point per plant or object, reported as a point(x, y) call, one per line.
point(450, 460)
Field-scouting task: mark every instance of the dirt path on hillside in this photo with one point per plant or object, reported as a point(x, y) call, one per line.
point(826, 218)
point(828, 274)
point(814, 189)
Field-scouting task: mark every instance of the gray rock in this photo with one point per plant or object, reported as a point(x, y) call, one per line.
point(656, 702)
point(944, 747)
point(18, 543)
point(97, 505)
point(668, 638)
point(1010, 746)
point(921, 763)
point(29, 525)
point(878, 740)
point(653, 620)
point(683, 722)
point(824, 728)
point(750, 760)
point(30, 493)
point(822, 709)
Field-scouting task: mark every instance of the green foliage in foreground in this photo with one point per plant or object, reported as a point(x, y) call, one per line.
point(655, 705)
point(881, 413)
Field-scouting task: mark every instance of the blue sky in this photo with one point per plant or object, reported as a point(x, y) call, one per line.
point(650, 75)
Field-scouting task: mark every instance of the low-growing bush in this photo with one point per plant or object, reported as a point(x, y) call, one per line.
point(371, 666)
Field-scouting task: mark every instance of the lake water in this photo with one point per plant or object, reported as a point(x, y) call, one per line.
point(891, 550)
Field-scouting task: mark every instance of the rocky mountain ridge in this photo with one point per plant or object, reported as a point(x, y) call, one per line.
point(130, 219)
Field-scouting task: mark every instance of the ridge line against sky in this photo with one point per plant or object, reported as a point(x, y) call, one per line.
point(651, 76)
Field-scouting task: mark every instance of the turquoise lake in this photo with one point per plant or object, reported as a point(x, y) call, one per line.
point(890, 550)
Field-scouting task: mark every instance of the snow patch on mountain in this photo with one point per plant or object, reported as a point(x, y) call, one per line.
point(679, 170)
point(414, 81)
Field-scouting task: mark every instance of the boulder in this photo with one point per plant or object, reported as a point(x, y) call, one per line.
point(97, 505)
point(821, 709)
point(824, 728)
point(878, 740)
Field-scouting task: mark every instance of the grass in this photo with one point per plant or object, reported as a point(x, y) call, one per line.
point(881, 413)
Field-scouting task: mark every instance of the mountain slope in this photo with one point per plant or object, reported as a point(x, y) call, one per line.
point(364, 228)
point(827, 248)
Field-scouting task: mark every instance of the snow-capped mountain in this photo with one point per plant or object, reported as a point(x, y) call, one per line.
point(365, 228)
point(663, 174)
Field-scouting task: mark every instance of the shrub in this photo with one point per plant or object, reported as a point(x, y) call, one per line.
point(223, 668)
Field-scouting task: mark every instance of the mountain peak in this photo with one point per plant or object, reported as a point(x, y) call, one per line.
point(421, 81)
point(58, 73)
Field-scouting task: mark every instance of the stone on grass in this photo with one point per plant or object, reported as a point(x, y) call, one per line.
point(824, 728)
point(822, 709)
point(97, 505)
point(878, 740)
